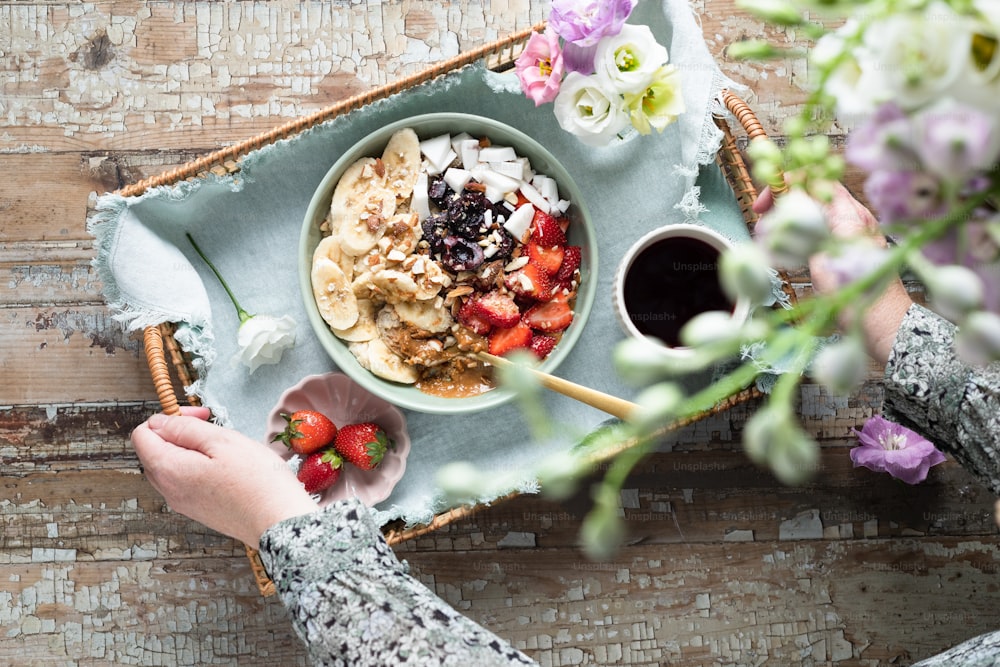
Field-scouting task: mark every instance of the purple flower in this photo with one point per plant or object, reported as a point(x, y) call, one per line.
point(585, 22)
point(855, 261)
point(904, 195)
point(956, 141)
point(884, 143)
point(889, 447)
point(973, 246)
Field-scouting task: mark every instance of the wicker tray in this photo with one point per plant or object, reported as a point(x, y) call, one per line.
point(169, 366)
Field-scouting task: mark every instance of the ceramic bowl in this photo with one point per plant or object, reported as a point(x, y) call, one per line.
point(344, 401)
point(627, 321)
point(427, 126)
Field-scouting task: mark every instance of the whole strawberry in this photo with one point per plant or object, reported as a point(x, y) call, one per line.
point(320, 470)
point(307, 431)
point(363, 444)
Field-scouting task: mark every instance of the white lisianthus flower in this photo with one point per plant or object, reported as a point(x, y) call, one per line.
point(659, 103)
point(915, 58)
point(626, 62)
point(584, 108)
point(844, 83)
point(979, 85)
point(263, 339)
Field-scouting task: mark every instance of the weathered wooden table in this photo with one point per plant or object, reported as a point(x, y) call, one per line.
point(724, 566)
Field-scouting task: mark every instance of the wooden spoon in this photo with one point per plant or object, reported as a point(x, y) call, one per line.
point(612, 405)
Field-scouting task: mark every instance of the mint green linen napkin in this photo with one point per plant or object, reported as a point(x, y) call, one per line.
point(249, 224)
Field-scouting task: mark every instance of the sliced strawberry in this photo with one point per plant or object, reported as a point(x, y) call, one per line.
point(471, 320)
point(516, 337)
point(496, 308)
point(572, 257)
point(545, 230)
point(550, 317)
point(542, 345)
point(530, 281)
point(549, 259)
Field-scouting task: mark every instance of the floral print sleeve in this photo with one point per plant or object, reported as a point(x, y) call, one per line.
point(354, 604)
point(929, 389)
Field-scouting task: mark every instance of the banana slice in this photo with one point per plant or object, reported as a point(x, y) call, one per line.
point(361, 204)
point(364, 329)
point(395, 285)
point(424, 315)
point(362, 286)
point(334, 296)
point(401, 158)
point(376, 357)
point(330, 248)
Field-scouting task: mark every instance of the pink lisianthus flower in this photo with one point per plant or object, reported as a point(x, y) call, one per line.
point(540, 67)
point(888, 447)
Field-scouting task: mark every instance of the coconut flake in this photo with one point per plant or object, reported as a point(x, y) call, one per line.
point(492, 179)
point(457, 178)
point(519, 221)
point(438, 152)
point(497, 154)
point(420, 202)
point(535, 197)
point(509, 169)
point(468, 150)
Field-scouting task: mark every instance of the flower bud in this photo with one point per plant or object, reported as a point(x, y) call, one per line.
point(760, 432)
point(841, 366)
point(778, 12)
point(795, 457)
point(460, 480)
point(765, 150)
point(955, 291)
point(978, 338)
point(602, 530)
point(558, 475)
point(635, 361)
point(751, 49)
point(714, 327)
point(793, 230)
point(657, 404)
point(809, 150)
point(744, 273)
point(772, 436)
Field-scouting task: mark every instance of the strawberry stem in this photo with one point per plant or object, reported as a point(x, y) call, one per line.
point(243, 315)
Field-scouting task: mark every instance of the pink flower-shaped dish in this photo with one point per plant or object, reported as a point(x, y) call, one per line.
point(345, 402)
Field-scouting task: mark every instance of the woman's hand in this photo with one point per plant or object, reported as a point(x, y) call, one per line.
point(217, 476)
point(848, 218)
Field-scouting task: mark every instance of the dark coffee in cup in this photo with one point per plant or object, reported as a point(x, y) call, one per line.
point(668, 277)
point(671, 281)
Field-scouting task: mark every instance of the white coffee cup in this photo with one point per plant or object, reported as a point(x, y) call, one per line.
point(666, 278)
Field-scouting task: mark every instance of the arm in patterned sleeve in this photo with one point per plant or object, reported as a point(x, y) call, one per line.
point(929, 389)
point(353, 603)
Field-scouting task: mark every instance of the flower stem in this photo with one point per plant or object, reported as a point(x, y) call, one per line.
point(243, 315)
